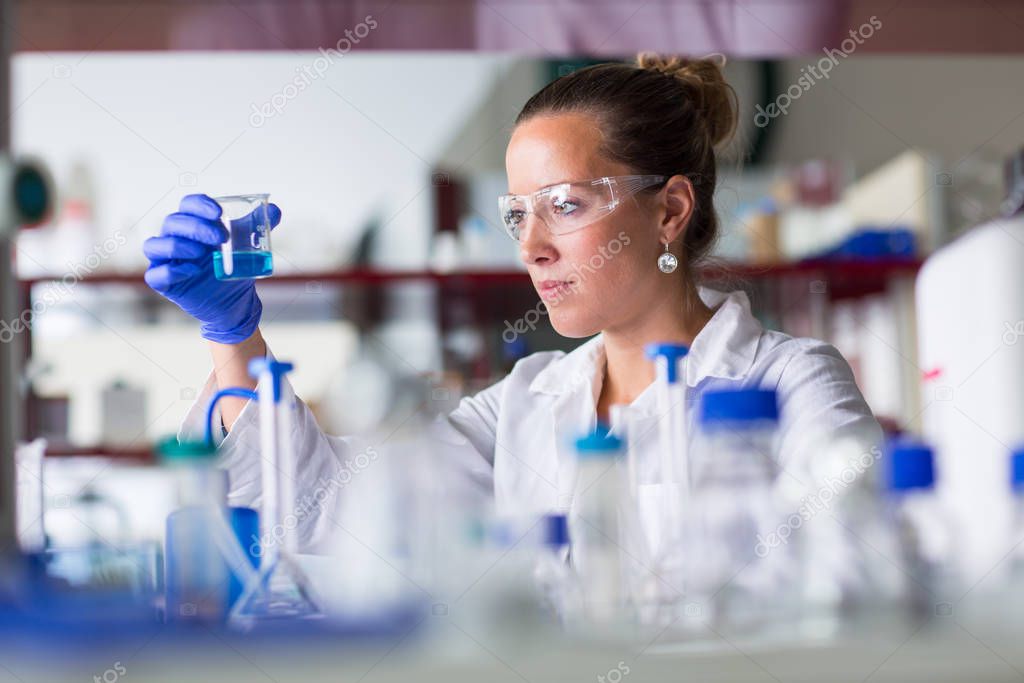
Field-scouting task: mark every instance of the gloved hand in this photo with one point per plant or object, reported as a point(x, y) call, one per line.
point(181, 269)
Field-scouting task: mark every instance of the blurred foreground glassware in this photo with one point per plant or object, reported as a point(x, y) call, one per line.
point(665, 565)
point(559, 591)
point(280, 588)
point(922, 529)
point(205, 560)
point(596, 547)
point(734, 579)
point(28, 458)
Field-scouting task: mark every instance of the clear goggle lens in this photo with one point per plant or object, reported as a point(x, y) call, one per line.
point(567, 207)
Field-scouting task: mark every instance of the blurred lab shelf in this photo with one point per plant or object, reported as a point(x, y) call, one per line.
point(841, 278)
point(845, 277)
point(484, 298)
point(354, 277)
point(142, 454)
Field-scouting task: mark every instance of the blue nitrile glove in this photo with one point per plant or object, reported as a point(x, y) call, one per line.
point(181, 269)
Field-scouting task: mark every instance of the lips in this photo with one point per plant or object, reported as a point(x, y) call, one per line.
point(554, 289)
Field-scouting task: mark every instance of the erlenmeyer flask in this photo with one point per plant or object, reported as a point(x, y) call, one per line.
point(281, 589)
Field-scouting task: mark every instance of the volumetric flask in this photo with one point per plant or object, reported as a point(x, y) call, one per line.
point(246, 253)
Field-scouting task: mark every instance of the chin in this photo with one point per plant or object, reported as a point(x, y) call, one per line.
point(573, 326)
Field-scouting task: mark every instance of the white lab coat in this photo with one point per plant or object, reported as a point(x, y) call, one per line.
point(511, 444)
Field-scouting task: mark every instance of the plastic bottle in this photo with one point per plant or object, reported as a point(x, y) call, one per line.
point(1017, 534)
point(555, 581)
point(205, 563)
point(844, 541)
point(921, 529)
point(1006, 598)
point(594, 528)
point(737, 575)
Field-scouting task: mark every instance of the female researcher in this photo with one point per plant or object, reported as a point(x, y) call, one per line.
point(612, 174)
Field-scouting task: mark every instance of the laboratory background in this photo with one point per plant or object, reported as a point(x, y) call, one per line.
point(872, 198)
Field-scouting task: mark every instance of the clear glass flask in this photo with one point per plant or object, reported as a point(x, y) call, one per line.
point(734, 579)
point(246, 253)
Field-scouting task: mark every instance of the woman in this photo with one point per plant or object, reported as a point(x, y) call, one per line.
point(611, 175)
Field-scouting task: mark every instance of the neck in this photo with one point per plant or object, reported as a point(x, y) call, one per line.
point(676, 319)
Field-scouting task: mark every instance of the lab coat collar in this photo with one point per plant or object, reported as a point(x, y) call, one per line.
point(725, 348)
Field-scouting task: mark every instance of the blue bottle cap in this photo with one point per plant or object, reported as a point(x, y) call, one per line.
point(672, 352)
point(556, 530)
point(276, 368)
point(599, 444)
point(515, 349)
point(1017, 469)
point(743, 405)
point(911, 465)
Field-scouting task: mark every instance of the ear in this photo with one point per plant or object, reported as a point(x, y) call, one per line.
point(677, 208)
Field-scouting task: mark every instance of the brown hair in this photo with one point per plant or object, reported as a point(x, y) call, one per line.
point(662, 115)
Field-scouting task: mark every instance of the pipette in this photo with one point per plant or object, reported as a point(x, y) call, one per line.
point(281, 589)
point(671, 398)
point(670, 392)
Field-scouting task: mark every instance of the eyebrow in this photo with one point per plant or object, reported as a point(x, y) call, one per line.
point(557, 182)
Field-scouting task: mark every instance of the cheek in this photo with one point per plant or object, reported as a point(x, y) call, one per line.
point(608, 270)
point(606, 261)
point(610, 280)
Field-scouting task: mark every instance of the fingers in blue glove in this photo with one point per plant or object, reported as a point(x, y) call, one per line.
point(162, 277)
point(204, 206)
point(201, 205)
point(169, 247)
point(247, 222)
point(202, 230)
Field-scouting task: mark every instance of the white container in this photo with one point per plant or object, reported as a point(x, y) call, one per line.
point(970, 310)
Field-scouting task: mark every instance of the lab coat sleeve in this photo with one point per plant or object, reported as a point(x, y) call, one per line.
point(829, 442)
point(321, 460)
point(464, 441)
point(461, 447)
point(819, 404)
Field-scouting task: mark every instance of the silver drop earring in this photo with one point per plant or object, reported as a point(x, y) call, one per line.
point(667, 262)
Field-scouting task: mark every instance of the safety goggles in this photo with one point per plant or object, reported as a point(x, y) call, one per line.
point(568, 207)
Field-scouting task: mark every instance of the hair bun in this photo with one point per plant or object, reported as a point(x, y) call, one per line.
point(705, 85)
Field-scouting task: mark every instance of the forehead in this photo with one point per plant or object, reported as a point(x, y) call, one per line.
point(557, 148)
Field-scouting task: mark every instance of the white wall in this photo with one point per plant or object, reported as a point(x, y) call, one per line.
point(359, 141)
point(872, 108)
point(332, 159)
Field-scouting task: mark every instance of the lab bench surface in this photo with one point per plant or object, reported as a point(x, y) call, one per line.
point(940, 648)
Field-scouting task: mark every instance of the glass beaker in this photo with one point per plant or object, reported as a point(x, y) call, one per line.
point(246, 253)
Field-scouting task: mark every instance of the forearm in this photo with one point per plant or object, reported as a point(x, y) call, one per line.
point(231, 367)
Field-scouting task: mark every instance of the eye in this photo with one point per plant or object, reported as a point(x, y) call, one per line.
point(564, 207)
point(513, 217)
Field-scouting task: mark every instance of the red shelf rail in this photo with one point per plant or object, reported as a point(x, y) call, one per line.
point(868, 271)
point(841, 278)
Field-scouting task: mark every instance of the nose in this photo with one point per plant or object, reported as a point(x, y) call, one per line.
point(535, 245)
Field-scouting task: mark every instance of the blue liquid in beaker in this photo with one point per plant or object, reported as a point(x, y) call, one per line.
point(247, 265)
